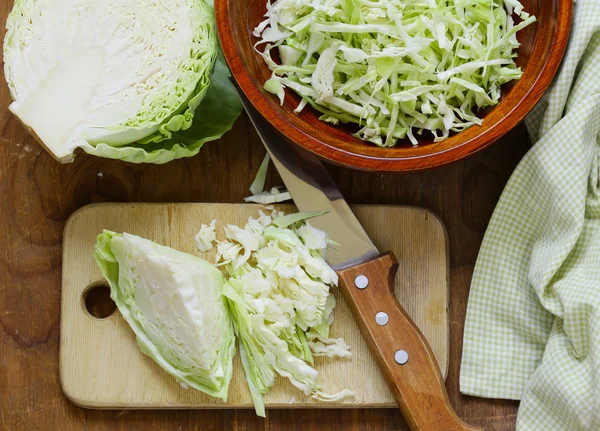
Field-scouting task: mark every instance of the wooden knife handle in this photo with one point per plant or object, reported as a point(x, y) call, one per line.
point(400, 348)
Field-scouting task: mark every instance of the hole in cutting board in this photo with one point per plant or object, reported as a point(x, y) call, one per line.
point(97, 301)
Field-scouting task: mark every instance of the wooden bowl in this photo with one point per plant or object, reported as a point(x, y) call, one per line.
point(542, 47)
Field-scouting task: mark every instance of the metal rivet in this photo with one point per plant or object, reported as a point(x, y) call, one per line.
point(382, 318)
point(361, 282)
point(401, 357)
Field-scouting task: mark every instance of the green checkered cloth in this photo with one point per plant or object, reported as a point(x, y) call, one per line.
point(533, 320)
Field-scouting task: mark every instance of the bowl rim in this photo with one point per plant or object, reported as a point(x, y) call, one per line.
point(339, 156)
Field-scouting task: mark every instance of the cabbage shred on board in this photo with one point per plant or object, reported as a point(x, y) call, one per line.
point(279, 294)
point(136, 80)
point(394, 67)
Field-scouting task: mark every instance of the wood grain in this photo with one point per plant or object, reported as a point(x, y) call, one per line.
point(542, 47)
point(102, 367)
point(37, 195)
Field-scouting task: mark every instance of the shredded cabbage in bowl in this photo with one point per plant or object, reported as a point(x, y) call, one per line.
point(394, 67)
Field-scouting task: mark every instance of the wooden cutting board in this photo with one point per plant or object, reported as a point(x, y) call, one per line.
point(102, 367)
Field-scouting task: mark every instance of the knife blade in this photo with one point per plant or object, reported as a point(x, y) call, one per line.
point(367, 282)
point(313, 189)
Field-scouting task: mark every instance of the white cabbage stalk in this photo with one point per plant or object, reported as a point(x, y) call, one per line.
point(173, 303)
point(394, 67)
point(279, 294)
point(84, 73)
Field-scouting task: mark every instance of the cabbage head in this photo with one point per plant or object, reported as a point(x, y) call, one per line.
point(127, 79)
point(173, 303)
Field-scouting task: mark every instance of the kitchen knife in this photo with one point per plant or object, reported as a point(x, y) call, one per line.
point(367, 283)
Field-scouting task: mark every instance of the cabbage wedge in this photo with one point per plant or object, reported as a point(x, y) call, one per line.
point(173, 303)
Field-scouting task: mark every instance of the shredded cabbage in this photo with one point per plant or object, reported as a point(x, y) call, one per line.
point(275, 195)
point(206, 236)
point(395, 67)
point(258, 185)
point(279, 295)
point(262, 196)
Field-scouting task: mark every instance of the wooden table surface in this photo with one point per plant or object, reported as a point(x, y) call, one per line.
point(37, 195)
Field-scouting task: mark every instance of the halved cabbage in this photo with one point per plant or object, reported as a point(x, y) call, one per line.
point(103, 75)
point(173, 303)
